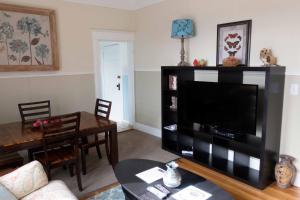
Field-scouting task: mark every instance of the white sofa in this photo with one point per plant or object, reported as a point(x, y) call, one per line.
point(30, 182)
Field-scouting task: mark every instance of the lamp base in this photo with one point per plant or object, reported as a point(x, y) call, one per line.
point(183, 63)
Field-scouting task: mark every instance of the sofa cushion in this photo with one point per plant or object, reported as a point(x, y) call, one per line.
point(54, 190)
point(25, 179)
point(5, 194)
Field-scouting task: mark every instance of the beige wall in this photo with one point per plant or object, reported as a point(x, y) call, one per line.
point(72, 88)
point(67, 94)
point(75, 23)
point(148, 98)
point(275, 25)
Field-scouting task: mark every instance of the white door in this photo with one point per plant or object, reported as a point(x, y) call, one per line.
point(114, 74)
point(112, 62)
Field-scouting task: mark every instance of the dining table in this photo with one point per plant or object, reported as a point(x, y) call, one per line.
point(16, 136)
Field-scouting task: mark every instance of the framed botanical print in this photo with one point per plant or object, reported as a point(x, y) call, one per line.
point(234, 39)
point(28, 39)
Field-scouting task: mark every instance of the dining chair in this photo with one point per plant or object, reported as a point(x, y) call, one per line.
point(102, 111)
point(9, 162)
point(61, 145)
point(30, 112)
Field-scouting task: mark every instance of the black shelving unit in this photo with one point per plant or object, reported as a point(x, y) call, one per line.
point(211, 150)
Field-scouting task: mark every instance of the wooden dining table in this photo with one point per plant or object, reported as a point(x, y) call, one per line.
point(16, 136)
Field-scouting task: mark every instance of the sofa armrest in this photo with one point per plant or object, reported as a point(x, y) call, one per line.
point(25, 179)
point(55, 190)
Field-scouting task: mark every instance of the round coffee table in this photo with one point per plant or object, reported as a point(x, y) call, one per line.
point(134, 188)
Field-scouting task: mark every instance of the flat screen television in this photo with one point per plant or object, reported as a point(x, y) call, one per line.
point(228, 107)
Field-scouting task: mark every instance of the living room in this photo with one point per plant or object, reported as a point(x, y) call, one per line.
point(72, 84)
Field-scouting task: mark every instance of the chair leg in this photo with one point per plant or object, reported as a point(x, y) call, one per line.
point(30, 155)
point(83, 161)
point(71, 170)
point(78, 176)
point(85, 140)
point(107, 147)
point(97, 146)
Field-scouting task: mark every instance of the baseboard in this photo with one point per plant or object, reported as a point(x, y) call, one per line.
point(297, 180)
point(148, 129)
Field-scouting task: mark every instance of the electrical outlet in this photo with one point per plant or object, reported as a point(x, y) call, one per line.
point(294, 89)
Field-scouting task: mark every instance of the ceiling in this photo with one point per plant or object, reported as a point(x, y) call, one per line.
point(119, 4)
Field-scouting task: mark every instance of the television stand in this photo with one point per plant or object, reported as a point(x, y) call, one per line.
point(211, 148)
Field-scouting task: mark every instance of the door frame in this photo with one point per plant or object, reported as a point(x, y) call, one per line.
point(116, 36)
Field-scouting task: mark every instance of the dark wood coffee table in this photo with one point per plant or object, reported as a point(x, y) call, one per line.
point(134, 188)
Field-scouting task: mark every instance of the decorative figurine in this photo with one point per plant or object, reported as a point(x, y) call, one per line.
point(172, 177)
point(199, 63)
point(231, 61)
point(285, 171)
point(266, 56)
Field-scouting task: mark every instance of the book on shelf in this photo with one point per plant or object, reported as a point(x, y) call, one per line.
point(172, 82)
point(173, 105)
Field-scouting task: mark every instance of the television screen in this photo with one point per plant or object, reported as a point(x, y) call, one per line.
point(228, 107)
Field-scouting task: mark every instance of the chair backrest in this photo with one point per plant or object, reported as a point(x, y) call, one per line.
point(60, 131)
point(35, 110)
point(103, 108)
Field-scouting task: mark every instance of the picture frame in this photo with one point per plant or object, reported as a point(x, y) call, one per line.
point(28, 39)
point(234, 39)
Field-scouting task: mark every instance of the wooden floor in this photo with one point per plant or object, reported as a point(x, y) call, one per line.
point(238, 189)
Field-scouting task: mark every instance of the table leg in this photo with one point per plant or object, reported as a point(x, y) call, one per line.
point(114, 152)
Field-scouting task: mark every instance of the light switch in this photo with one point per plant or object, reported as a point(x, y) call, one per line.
point(294, 89)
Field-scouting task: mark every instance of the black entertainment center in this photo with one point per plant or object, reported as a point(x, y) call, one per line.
point(203, 120)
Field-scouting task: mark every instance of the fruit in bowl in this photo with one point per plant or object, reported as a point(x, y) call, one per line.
point(38, 123)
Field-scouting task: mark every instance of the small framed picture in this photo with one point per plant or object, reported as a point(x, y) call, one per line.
point(233, 40)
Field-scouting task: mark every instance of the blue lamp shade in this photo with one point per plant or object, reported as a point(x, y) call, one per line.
point(183, 28)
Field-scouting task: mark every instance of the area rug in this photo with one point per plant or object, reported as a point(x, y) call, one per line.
point(114, 193)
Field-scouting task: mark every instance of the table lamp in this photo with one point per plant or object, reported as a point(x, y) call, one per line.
point(183, 29)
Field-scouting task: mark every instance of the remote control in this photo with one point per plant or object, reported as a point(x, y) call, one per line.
point(162, 189)
point(147, 196)
point(156, 192)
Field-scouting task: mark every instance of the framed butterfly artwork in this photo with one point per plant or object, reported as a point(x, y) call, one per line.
point(234, 40)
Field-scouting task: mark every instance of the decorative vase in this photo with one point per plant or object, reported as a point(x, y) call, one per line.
point(172, 177)
point(285, 171)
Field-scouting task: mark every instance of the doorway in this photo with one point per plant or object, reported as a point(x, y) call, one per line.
point(114, 75)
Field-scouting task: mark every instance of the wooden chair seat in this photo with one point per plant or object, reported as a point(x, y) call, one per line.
point(6, 171)
point(11, 160)
point(57, 156)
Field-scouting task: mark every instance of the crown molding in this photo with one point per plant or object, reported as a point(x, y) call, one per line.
point(118, 4)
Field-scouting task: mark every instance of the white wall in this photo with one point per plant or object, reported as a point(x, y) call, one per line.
point(275, 25)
